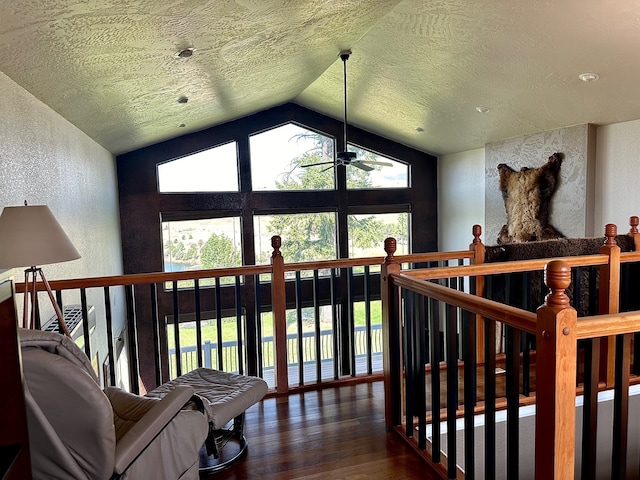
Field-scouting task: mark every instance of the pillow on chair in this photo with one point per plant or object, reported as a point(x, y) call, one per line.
point(526, 196)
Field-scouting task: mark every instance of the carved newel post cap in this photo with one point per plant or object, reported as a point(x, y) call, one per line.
point(276, 243)
point(390, 246)
point(557, 276)
point(610, 231)
point(634, 221)
point(477, 233)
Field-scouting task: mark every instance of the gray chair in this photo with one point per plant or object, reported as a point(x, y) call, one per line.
point(77, 430)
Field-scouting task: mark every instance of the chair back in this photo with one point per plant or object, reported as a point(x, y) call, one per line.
point(71, 430)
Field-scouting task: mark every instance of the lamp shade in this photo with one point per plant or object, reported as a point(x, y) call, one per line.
point(30, 235)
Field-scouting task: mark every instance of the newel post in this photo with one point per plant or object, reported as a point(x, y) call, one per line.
point(478, 249)
point(556, 378)
point(609, 299)
point(279, 307)
point(634, 221)
point(391, 337)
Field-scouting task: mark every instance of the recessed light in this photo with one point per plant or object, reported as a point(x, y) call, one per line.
point(182, 125)
point(589, 77)
point(185, 52)
point(419, 129)
point(183, 99)
point(482, 109)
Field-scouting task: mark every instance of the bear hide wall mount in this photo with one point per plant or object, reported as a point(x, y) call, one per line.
point(527, 195)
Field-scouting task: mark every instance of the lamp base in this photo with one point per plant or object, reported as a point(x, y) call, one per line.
point(31, 297)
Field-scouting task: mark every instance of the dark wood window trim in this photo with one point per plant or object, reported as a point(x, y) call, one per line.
point(142, 208)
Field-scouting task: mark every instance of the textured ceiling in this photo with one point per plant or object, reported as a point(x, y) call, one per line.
point(110, 66)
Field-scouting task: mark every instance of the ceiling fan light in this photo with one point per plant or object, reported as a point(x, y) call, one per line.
point(589, 77)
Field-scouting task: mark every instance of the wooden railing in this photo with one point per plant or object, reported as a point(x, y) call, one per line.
point(150, 306)
point(433, 298)
point(444, 372)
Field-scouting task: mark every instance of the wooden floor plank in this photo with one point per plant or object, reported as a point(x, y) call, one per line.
point(331, 434)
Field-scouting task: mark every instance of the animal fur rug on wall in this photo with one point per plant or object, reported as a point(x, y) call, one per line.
point(527, 195)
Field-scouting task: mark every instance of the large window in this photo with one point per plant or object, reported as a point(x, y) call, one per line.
point(213, 170)
point(368, 231)
point(201, 244)
point(305, 236)
point(280, 159)
point(379, 172)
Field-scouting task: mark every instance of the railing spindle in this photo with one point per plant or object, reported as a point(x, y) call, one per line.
point(367, 318)
point(132, 333)
point(221, 365)
point(259, 348)
point(433, 307)
point(176, 328)
point(109, 326)
point(317, 338)
point(512, 337)
point(300, 342)
point(334, 324)
point(451, 341)
point(470, 392)
point(490, 398)
point(239, 331)
point(198, 311)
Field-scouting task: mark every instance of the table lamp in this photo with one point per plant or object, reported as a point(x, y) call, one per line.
point(30, 236)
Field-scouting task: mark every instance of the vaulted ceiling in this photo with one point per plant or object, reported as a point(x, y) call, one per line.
point(418, 72)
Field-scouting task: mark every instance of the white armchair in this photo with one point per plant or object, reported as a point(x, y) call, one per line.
point(77, 430)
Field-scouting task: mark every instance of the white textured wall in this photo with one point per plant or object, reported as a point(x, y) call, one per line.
point(617, 163)
point(460, 198)
point(46, 160)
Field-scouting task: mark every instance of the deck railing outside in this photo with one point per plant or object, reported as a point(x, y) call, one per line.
point(229, 348)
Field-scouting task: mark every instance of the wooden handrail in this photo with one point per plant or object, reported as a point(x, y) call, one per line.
point(504, 267)
point(368, 261)
point(516, 317)
point(147, 278)
point(597, 326)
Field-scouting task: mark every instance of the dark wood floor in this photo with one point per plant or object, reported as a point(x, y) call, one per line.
point(333, 434)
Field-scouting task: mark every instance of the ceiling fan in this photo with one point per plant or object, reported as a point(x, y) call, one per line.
point(346, 157)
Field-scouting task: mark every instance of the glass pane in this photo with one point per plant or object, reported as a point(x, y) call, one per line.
point(368, 231)
point(213, 170)
point(201, 244)
point(389, 174)
point(277, 156)
point(305, 236)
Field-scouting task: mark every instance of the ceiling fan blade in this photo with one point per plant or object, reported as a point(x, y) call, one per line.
point(361, 166)
point(375, 162)
point(316, 164)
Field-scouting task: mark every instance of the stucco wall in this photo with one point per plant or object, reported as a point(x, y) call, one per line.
point(460, 198)
point(44, 159)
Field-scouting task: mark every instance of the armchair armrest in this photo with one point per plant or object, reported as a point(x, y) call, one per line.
point(149, 426)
